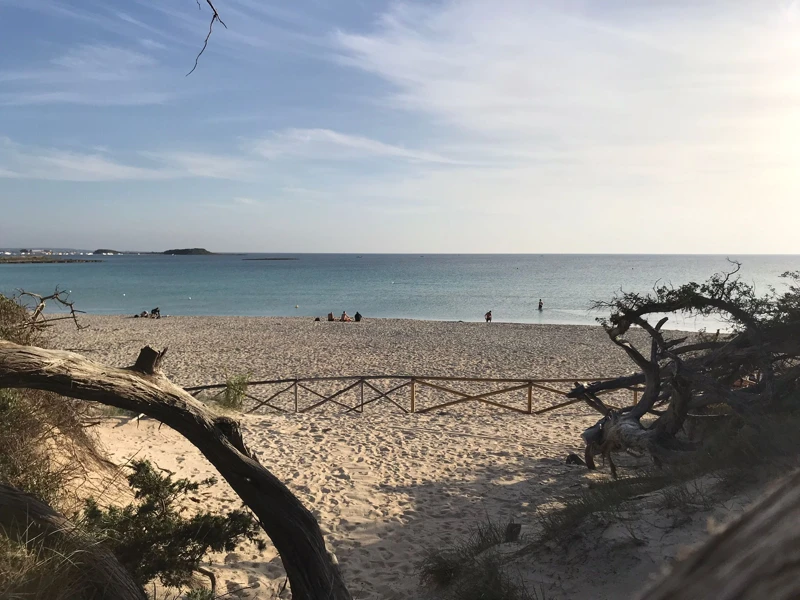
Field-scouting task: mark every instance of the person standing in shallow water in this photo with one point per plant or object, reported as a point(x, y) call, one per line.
point(541, 306)
point(488, 317)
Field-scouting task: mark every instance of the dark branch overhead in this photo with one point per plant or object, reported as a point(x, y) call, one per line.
point(214, 17)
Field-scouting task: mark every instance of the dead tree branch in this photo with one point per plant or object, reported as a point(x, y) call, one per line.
point(312, 571)
point(38, 320)
point(754, 370)
point(214, 17)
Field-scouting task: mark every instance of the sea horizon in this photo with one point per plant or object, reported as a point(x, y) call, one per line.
point(436, 287)
point(212, 252)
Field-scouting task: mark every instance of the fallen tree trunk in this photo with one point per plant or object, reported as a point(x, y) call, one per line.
point(31, 522)
point(756, 557)
point(312, 572)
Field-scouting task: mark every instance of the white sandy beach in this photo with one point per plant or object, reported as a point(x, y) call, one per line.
point(386, 485)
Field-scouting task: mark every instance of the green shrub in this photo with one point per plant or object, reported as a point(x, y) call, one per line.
point(232, 398)
point(152, 539)
point(200, 594)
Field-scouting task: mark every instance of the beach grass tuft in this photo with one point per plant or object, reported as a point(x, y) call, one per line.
point(232, 398)
point(473, 570)
point(39, 571)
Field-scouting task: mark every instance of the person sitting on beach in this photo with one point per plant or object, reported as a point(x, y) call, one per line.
point(331, 317)
point(345, 317)
point(155, 313)
point(488, 317)
point(357, 316)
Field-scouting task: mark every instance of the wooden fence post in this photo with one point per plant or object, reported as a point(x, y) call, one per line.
point(295, 395)
point(361, 409)
point(635, 397)
point(413, 395)
point(530, 397)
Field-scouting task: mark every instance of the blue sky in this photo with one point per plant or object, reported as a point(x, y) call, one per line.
point(371, 126)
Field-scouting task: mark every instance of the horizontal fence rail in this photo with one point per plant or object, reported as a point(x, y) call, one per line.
point(408, 393)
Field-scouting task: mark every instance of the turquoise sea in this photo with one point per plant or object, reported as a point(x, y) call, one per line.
point(440, 287)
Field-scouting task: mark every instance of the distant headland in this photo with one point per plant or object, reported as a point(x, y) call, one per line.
point(173, 251)
point(188, 252)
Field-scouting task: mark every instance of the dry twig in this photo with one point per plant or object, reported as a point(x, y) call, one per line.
point(38, 320)
point(214, 17)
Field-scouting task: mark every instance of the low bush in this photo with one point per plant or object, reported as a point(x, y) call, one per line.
point(232, 398)
point(200, 594)
point(153, 540)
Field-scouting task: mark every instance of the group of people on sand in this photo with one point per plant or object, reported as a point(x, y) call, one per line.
point(488, 315)
point(153, 314)
point(345, 318)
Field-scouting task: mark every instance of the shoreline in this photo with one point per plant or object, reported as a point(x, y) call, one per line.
point(366, 318)
point(206, 350)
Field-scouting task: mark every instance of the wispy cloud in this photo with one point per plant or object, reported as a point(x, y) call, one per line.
point(99, 75)
point(99, 62)
point(201, 164)
point(152, 44)
point(584, 110)
point(85, 98)
point(548, 115)
point(20, 162)
point(99, 16)
point(527, 76)
point(241, 204)
point(326, 144)
point(25, 162)
point(255, 28)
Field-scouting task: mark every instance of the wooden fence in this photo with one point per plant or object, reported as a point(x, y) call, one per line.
point(408, 393)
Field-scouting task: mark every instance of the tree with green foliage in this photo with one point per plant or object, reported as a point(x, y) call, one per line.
point(751, 371)
point(153, 540)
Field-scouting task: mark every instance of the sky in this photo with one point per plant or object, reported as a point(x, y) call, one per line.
point(483, 126)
